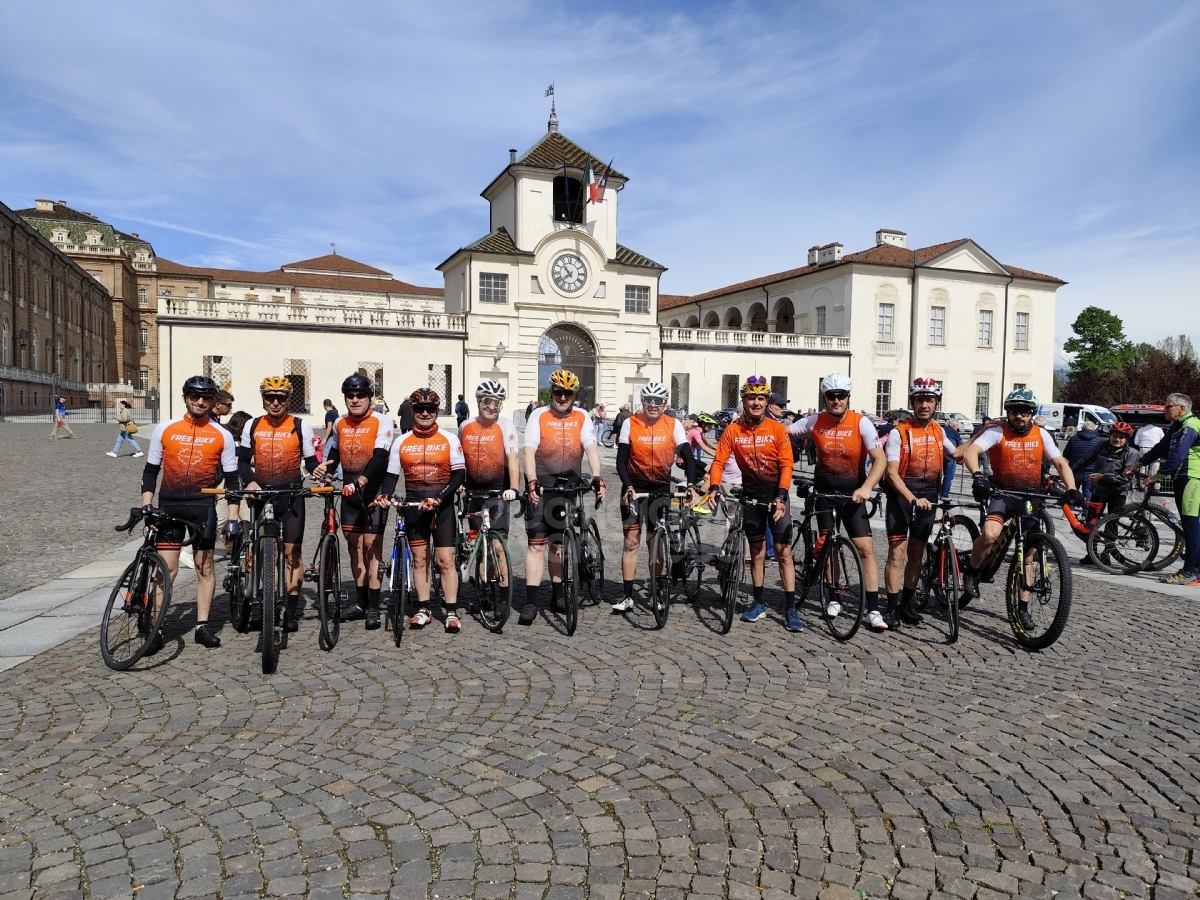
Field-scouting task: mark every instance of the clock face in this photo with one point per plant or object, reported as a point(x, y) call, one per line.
point(569, 273)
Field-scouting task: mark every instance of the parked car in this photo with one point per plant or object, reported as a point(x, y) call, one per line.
point(1139, 414)
point(964, 424)
point(1060, 416)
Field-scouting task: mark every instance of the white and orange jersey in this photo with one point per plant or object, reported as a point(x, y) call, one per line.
point(558, 443)
point(843, 448)
point(920, 451)
point(191, 452)
point(278, 451)
point(485, 447)
point(426, 462)
point(357, 439)
point(651, 449)
point(1017, 458)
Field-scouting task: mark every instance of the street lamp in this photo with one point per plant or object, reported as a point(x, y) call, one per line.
point(500, 348)
point(645, 361)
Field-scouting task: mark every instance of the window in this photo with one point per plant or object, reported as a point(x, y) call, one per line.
point(1019, 385)
point(143, 380)
point(887, 312)
point(820, 320)
point(493, 288)
point(983, 393)
point(143, 300)
point(535, 286)
point(374, 371)
point(937, 325)
point(601, 291)
point(165, 292)
point(1022, 332)
point(729, 391)
point(680, 390)
point(144, 338)
point(637, 298)
point(779, 385)
point(985, 328)
point(220, 370)
point(191, 293)
point(297, 371)
point(440, 380)
point(883, 396)
point(568, 200)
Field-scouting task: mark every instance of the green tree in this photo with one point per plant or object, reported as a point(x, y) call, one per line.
point(1100, 346)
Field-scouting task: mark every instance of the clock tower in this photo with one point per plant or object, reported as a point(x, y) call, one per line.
point(550, 286)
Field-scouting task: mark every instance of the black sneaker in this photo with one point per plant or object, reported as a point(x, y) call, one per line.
point(908, 615)
point(970, 588)
point(1024, 617)
point(1086, 561)
point(528, 614)
point(353, 613)
point(256, 616)
point(156, 644)
point(371, 619)
point(291, 621)
point(205, 637)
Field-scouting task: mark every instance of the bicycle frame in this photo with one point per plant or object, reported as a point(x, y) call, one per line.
point(1014, 530)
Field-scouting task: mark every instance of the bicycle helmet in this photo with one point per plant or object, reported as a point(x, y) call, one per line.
point(1021, 398)
point(706, 419)
point(425, 395)
point(655, 390)
point(276, 384)
point(1122, 428)
point(836, 381)
point(200, 384)
point(491, 388)
point(756, 384)
point(358, 382)
point(564, 380)
point(926, 386)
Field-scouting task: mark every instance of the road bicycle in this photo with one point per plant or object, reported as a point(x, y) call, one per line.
point(1039, 580)
point(674, 549)
point(582, 552)
point(1129, 541)
point(484, 562)
point(605, 434)
point(325, 572)
point(940, 581)
point(396, 572)
point(137, 606)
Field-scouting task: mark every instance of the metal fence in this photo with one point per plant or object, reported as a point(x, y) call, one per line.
point(101, 410)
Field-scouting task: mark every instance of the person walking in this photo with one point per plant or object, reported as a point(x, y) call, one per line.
point(331, 416)
point(60, 418)
point(126, 430)
point(461, 411)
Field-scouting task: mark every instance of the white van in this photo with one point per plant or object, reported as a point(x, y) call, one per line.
point(1060, 416)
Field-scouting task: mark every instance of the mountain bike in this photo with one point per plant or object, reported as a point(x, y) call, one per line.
point(1129, 541)
point(325, 572)
point(941, 568)
point(1039, 577)
point(485, 564)
point(674, 549)
point(582, 552)
point(137, 606)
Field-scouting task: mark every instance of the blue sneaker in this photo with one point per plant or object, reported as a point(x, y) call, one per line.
point(754, 613)
point(792, 620)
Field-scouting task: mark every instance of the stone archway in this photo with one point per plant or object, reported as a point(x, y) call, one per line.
point(569, 347)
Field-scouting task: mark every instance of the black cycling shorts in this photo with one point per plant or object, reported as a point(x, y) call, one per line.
point(644, 511)
point(1001, 509)
point(853, 516)
point(357, 521)
point(202, 519)
point(756, 518)
point(438, 524)
point(902, 525)
point(497, 514)
point(548, 518)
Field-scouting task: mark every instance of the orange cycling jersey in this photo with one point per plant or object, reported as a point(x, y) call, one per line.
point(1017, 458)
point(763, 453)
point(191, 454)
point(425, 461)
point(278, 450)
point(485, 448)
point(357, 439)
point(651, 449)
point(558, 443)
point(920, 451)
point(842, 450)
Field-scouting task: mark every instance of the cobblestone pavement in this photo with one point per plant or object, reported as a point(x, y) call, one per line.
point(619, 762)
point(59, 495)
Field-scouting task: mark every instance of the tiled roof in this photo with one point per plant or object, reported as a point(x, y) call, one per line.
point(627, 257)
point(552, 149)
point(499, 241)
point(331, 262)
point(61, 212)
point(670, 301)
point(299, 279)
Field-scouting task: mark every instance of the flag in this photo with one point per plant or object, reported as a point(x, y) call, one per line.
point(566, 181)
point(598, 190)
point(589, 178)
point(550, 90)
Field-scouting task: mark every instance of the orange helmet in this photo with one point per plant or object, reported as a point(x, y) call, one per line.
point(276, 384)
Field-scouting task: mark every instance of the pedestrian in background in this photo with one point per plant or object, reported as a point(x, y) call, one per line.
point(126, 429)
point(950, 429)
point(461, 411)
point(1145, 439)
point(222, 406)
point(60, 418)
point(1080, 447)
point(331, 416)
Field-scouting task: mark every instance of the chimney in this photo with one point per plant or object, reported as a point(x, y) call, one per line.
point(44, 205)
point(135, 234)
point(512, 156)
point(830, 253)
point(812, 254)
point(891, 236)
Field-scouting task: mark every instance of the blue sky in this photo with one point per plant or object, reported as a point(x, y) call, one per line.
point(1060, 136)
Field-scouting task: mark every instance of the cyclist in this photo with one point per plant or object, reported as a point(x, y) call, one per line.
point(916, 450)
point(360, 443)
point(557, 437)
point(1016, 449)
point(433, 467)
point(763, 453)
point(270, 453)
point(1104, 468)
point(1179, 451)
point(646, 449)
point(490, 451)
point(844, 442)
point(191, 451)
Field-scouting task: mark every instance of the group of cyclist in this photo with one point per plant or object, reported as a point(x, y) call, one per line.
point(755, 451)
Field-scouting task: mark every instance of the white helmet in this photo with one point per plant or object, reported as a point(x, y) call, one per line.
point(491, 388)
point(655, 389)
point(836, 381)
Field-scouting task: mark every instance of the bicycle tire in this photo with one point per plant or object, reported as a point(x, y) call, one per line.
point(693, 565)
point(1047, 521)
point(237, 581)
point(129, 623)
point(1122, 543)
point(398, 588)
point(608, 439)
point(494, 598)
point(1176, 551)
point(593, 554)
point(732, 554)
point(949, 585)
point(840, 581)
point(329, 592)
point(271, 637)
point(660, 581)
point(1049, 625)
point(570, 580)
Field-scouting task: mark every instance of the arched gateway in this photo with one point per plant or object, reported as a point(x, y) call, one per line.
point(569, 347)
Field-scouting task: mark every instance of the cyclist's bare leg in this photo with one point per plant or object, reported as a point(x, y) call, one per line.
point(897, 568)
point(206, 583)
point(445, 562)
point(758, 561)
point(866, 552)
point(912, 571)
point(983, 543)
point(421, 574)
point(295, 568)
point(787, 568)
point(354, 548)
point(555, 563)
point(372, 551)
point(629, 549)
point(535, 559)
point(171, 558)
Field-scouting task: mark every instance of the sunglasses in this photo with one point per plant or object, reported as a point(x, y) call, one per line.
point(425, 409)
point(756, 380)
point(837, 396)
point(196, 398)
point(275, 398)
point(559, 392)
point(488, 403)
point(358, 395)
point(653, 401)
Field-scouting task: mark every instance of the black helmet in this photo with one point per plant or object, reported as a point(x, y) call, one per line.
point(200, 384)
point(358, 382)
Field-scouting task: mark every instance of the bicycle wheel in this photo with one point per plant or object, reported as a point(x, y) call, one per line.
point(660, 576)
point(493, 583)
point(398, 587)
point(570, 579)
point(1047, 575)
point(927, 580)
point(237, 585)
point(842, 596)
point(593, 558)
point(731, 570)
point(692, 563)
point(130, 620)
point(1122, 543)
point(946, 588)
point(1170, 537)
point(272, 633)
point(329, 592)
